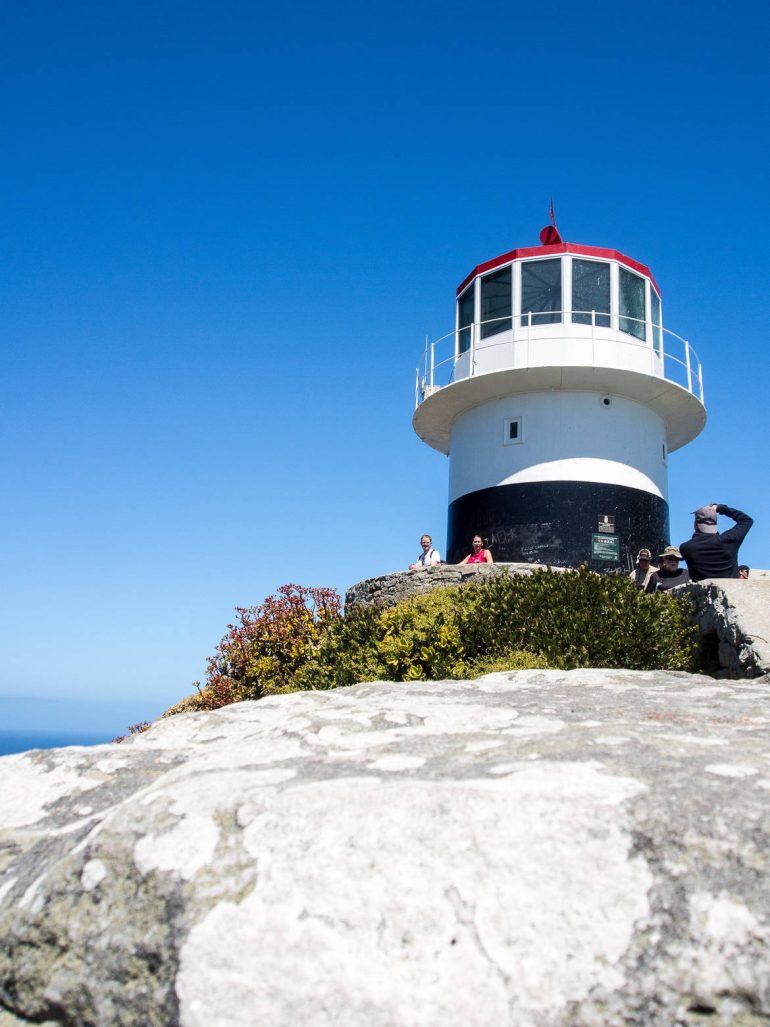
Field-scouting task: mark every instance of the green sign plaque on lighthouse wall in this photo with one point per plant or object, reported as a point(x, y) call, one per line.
point(605, 547)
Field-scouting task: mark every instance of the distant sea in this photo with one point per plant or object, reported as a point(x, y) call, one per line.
point(20, 741)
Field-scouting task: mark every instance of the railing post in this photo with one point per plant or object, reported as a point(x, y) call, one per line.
point(687, 363)
point(472, 353)
point(416, 387)
point(700, 382)
point(432, 363)
point(593, 337)
point(529, 336)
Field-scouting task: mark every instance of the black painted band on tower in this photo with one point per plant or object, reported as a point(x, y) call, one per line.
point(552, 522)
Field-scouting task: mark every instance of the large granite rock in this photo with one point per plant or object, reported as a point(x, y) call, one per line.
point(537, 848)
point(737, 615)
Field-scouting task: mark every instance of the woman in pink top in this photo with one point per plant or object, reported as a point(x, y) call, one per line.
point(479, 554)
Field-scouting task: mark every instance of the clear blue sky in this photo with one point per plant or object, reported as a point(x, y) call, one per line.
point(227, 229)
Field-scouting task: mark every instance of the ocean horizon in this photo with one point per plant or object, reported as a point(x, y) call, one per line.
point(45, 722)
point(20, 741)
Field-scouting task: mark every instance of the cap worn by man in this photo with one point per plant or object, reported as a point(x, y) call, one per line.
point(711, 553)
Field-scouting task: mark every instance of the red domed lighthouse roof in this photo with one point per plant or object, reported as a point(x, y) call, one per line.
point(554, 250)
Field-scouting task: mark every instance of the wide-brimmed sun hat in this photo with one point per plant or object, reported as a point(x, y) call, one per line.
point(670, 551)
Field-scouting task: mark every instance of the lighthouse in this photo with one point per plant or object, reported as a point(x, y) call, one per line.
point(558, 397)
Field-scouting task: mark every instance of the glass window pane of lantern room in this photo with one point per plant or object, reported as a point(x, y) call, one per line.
point(465, 316)
point(632, 312)
point(655, 317)
point(590, 292)
point(496, 303)
point(541, 291)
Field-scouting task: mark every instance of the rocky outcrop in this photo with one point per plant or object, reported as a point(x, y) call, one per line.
point(389, 589)
point(736, 614)
point(536, 848)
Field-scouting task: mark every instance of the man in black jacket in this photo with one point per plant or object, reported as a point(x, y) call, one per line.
point(710, 553)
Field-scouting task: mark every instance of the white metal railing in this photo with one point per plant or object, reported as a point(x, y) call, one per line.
point(671, 356)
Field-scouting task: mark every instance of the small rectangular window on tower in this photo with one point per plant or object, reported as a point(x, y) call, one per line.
point(512, 431)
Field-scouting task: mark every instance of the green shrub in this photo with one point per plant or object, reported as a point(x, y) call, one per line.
point(421, 637)
point(547, 619)
point(417, 639)
point(299, 639)
point(347, 652)
point(579, 619)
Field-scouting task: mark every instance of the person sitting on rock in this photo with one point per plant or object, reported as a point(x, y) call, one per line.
point(644, 570)
point(669, 574)
point(429, 556)
point(479, 554)
point(710, 553)
point(743, 571)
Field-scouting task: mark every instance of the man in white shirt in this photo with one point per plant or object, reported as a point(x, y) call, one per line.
point(429, 556)
point(644, 569)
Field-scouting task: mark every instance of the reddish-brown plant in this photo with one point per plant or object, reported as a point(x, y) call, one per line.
point(134, 729)
point(269, 643)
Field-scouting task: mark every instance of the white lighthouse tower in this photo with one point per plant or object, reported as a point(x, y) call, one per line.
point(558, 398)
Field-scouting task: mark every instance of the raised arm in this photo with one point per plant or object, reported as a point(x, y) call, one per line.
point(742, 523)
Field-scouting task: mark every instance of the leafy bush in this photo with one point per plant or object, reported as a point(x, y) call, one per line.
point(347, 652)
point(547, 619)
point(262, 653)
point(300, 639)
point(579, 619)
point(421, 637)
